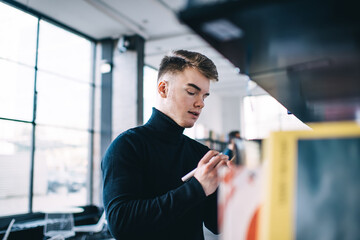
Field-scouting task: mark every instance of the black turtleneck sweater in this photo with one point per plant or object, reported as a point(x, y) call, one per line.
point(144, 197)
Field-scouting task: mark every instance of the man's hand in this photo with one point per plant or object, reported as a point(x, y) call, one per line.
point(207, 170)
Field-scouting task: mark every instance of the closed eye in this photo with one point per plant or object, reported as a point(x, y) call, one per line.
point(190, 93)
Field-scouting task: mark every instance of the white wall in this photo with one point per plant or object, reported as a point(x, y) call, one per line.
point(124, 93)
point(211, 117)
point(231, 114)
point(221, 114)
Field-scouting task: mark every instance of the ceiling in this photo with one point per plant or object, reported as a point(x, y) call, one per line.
point(155, 20)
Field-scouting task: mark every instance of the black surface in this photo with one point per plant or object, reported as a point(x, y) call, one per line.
point(31, 225)
point(304, 53)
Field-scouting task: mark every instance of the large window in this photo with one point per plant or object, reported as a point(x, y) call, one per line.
point(46, 89)
point(264, 114)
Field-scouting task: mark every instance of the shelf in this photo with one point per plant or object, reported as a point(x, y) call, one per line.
point(306, 54)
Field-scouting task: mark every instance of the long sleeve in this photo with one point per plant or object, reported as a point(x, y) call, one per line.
point(130, 211)
point(211, 214)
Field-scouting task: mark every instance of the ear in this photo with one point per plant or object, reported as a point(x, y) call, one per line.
point(162, 88)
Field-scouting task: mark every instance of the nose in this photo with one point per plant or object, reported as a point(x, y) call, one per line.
point(199, 103)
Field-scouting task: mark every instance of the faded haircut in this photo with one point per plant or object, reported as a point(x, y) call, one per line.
point(180, 60)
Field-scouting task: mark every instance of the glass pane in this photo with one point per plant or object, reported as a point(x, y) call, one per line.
point(15, 157)
point(150, 85)
point(16, 91)
point(18, 35)
point(64, 53)
point(291, 122)
point(62, 102)
point(263, 114)
point(60, 168)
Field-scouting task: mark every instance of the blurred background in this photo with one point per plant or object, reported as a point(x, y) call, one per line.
point(75, 74)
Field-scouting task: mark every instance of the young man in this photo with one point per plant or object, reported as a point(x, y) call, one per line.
point(231, 147)
point(144, 196)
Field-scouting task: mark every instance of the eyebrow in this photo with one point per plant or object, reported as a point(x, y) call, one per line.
point(197, 88)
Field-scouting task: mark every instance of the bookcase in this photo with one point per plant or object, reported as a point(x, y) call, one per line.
point(303, 53)
point(306, 55)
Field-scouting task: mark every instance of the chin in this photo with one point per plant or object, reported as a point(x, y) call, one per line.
point(188, 125)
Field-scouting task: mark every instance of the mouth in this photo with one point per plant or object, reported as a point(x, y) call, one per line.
point(195, 114)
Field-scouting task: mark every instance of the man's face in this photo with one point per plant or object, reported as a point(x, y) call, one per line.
point(184, 96)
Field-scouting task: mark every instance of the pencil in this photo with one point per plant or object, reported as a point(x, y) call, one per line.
point(192, 173)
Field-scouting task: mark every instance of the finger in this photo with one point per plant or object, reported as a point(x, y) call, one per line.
point(208, 156)
point(221, 164)
point(216, 159)
point(225, 157)
point(231, 165)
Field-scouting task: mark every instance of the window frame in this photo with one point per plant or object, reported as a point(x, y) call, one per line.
point(41, 17)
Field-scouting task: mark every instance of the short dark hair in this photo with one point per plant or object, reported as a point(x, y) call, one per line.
point(180, 60)
point(232, 135)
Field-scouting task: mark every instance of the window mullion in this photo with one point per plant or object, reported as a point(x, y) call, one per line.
point(32, 163)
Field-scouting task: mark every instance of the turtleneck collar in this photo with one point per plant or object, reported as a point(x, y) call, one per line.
point(164, 124)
